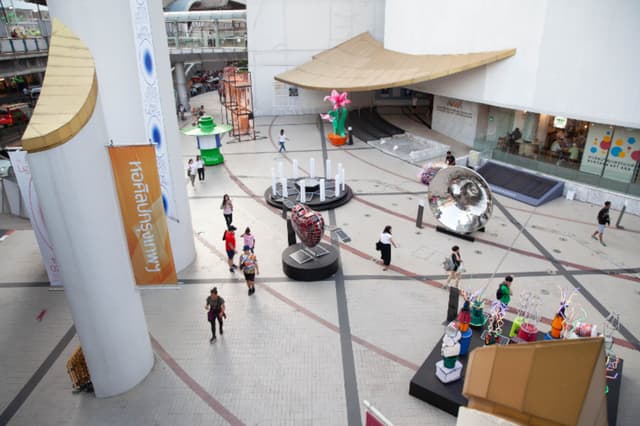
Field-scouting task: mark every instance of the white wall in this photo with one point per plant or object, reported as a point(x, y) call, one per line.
point(455, 118)
point(283, 34)
point(575, 58)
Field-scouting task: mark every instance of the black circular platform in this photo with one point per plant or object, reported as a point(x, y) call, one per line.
point(312, 187)
point(316, 269)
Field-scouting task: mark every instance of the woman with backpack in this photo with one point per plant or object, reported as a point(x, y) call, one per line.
point(249, 265)
point(456, 270)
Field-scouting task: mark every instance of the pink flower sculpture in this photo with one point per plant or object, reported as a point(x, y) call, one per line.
point(338, 114)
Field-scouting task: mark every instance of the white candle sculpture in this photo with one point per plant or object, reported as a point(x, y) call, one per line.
point(312, 167)
point(342, 178)
point(280, 169)
point(295, 169)
point(273, 181)
point(337, 185)
point(283, 183)
point(322, 193)
point(303, 193)
point(328, 171)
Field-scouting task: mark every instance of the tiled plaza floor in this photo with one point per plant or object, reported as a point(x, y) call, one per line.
point(309, 353)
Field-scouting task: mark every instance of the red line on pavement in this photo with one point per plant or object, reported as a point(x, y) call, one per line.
point(193, 385)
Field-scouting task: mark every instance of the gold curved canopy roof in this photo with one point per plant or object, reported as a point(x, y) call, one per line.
point(362, 63)
point(68, 95)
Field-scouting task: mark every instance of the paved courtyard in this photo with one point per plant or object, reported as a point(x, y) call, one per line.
point(308, 353)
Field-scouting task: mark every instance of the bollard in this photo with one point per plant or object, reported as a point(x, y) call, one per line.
point(624, 207)
point(420, 214)
point(452, 310)
point(291, 235)
point(350, 140)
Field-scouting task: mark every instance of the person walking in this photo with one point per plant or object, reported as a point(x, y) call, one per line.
point(281, 140)
point(603, 220)
point(249, 266)
point(386, 241)
point(227, 209)
point(504, 292)
point(191, 172)
point(200, 167)
point(249, 239)
point(456, 271)
point(230, 246)
point(216, 312)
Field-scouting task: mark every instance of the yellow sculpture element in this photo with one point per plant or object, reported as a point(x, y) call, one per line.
point(362, 63)
point(69, 92)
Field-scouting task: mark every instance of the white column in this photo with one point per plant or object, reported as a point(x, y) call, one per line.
point(181, 86)
point(312, 167)
point(303, 194)
point(280, 170)
point(107, 28)
point(295, 169)
point(337, 185)
point(91, 250)
point(322, 190)
point(342, 177)
point(283, 183)
point(273, 182)
point(327, 172)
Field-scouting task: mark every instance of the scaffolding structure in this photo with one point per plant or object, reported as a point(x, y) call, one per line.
point(237, 98)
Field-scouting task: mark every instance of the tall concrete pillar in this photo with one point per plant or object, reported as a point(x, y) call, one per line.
point(66, 142)
point(181, 85)
point(128, 41)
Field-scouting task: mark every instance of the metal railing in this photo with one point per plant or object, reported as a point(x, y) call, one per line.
point(24, 45)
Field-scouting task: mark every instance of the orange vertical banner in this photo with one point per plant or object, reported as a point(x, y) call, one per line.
point(137, 181)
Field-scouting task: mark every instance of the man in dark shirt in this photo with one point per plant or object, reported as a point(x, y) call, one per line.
point(215, 307)
point(450, 160)
point(603, 219)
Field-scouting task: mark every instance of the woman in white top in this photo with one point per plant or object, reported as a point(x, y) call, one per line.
point(200, 166)
point(227, 209)
point(282, 139)
point(386, 241)
point(192, 169)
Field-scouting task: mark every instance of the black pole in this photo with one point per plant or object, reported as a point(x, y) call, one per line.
point(420, 214)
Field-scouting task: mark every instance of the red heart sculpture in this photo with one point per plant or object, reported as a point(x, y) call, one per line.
point(307, 224)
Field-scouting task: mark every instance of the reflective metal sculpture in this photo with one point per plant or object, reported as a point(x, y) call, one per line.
point(460, 199)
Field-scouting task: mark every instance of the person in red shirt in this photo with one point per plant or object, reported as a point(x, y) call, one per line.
point(230, 246)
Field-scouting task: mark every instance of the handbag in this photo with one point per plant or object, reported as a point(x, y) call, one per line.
point(210, 315)
point(378, 246)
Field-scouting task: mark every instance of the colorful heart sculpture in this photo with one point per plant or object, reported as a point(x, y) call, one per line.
point(307, 224)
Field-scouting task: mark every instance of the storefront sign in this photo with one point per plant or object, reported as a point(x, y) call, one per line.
point(560, 122)
point(453, 106)
point(136, 177)
point(30, 198)
point(624, 154)
point(596, 149)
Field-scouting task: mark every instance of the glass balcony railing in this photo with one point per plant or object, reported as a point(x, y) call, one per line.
point(559, 167)
point(235, 39)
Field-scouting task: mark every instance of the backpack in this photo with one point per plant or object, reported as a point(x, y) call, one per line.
point(448, 264)
point(499, 293)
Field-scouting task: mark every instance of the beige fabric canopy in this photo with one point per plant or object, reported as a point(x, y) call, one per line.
point(362, 63)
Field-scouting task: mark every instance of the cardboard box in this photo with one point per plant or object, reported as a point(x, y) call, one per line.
point(542, 383)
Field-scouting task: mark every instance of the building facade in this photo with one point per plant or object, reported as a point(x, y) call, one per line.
point(571, 88)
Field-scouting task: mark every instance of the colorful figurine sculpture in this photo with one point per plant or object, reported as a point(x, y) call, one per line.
point(477, 315)
point(208, 139)
point(559, 324)
point(337, 116)
point(493, 332)
point(307, 224)
point(449, 369)
point(525, 323)
point(464, 318)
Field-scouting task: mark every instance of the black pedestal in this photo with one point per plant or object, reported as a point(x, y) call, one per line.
point(315, 270)
point(448, 396)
